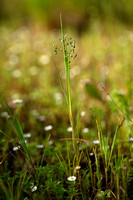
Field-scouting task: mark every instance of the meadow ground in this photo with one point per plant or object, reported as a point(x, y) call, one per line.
point(48, 149)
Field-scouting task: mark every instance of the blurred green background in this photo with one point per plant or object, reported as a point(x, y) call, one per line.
point(104, 44)
point(74, 12)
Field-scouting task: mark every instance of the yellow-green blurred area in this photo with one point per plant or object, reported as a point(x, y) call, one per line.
point(75, 11)
point(104, 46)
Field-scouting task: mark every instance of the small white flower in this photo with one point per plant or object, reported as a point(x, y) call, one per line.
point(5, 114)
point(69, 129)
point(16, 148)
point(96, 142)
point(82, 113)
point(91, 154)
point(48, 128)
point(85, 130)
point(27, 135)
point(71, 178)
point(78, 167)
point(50, 142)
point(25, 142)
point(40, 146)
point(17, 101)
point(130, 139)
point(34, 189)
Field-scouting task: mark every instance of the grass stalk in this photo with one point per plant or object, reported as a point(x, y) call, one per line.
point(19, 135)
point(97, 171)
point(67, 69)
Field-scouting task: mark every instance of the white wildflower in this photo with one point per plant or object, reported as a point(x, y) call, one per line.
point(33, 189)
point(78, 167)
point(85, 130)
point(50, 142)
point(4, 114)
point(27, 135)
point(96, 142)
point(16, 148)
point(48, 128)
point(130, 139)
point(69, 129)
point(71, 178)
point(40, 146)
point(17, 101)
point(25, 142)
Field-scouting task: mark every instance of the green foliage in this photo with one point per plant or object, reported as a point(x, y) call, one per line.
point(103, 170)
point(93, 91)
point(19, 134)
point(11, 189)
point(50, 10)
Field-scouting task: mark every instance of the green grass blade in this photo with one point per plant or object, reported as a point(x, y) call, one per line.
point(22, 140)
point(66, 60)
point(19, 133)
point(113, 144)
point(4, 188)
point(20, 184)
point(15, 144)
point(61, 162)
point(98, 173)
point(67, 69)
point(12, 118)
point(24, 144)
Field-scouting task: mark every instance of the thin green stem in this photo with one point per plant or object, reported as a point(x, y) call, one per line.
point(67, 69)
